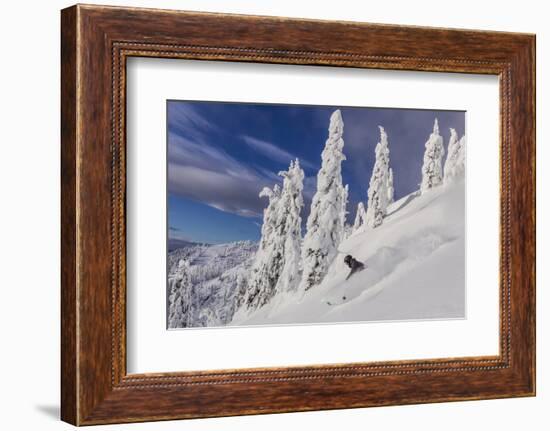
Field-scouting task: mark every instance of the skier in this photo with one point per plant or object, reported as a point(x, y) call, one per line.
point(354, 265)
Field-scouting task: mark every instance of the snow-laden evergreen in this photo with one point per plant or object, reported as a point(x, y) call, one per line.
point(360, 216)
point(433, 155)
point(456, 153)
point(269, 258)
point(325, 224)
point(460, 166)
point(277, 265)
point(452, 155)
point(348, 230)
point(391, 190)
point(180, 296)
point(344, 208)
point(378, 185)
point(289, 224)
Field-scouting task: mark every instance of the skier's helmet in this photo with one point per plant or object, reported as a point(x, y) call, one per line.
point(347, 259)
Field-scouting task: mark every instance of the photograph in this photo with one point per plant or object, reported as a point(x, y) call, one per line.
point(275, 209)
point(300, 214)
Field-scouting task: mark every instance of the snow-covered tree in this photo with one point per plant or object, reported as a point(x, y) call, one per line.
point(348, 230)
point(268, 261)
point(277, 264)
point(290, 225)
point(240, 288)
point(454, 164)
point(433, 155)
point(325, 224)
point(452, 155)
point(460, 165)
point(390, 187)
point(359, 216)
point(180, 296)
point(344, 208)
point(378, 185)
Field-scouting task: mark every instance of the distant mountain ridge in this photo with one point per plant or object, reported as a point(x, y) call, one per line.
point(175, 243)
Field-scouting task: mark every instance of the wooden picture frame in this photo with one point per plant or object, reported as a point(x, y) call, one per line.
point(96, 41)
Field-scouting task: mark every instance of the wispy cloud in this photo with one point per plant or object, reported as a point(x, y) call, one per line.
point(177, 234)
point(273, 152)
point(226, 191)
point(200, 171)
point(185, 120)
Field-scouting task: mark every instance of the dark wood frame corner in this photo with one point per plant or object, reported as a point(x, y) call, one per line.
point(95, 43)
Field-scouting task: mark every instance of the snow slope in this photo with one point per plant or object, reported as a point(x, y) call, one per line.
point(415, 268)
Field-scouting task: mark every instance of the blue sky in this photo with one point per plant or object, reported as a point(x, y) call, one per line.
point(220, 155)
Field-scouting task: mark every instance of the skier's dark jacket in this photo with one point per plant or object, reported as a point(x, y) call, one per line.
point(354, 265)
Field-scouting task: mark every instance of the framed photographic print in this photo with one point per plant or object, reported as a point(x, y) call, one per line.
point(268, 215)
